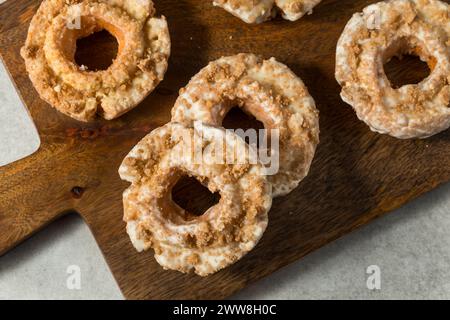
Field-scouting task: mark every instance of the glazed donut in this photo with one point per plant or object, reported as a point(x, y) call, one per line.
point(373, 37)
point(270, 92)
point(144, 49)
point(258, 11)
point(182, 241)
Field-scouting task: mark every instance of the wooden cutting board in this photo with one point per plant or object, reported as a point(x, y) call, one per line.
point(356, 177)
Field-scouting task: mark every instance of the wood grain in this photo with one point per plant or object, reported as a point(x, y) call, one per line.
point(356, 177)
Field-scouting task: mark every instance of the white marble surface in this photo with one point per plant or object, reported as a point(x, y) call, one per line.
point(17, 132)
point(411, 246)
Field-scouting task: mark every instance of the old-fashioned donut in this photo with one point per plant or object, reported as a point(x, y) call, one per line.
point(182, 241)
point(270, 92)
point(373, 37)
point(258, 11)
point(144, 49)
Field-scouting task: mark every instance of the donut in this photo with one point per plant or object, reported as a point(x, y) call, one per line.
point(258, 11)
point(181, 240)
point(270, 92)
point(370, 39)
point(142, 59)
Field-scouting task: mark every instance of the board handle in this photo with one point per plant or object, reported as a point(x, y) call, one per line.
point(31, 197)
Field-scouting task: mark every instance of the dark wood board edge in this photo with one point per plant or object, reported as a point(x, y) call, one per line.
point(313, 245)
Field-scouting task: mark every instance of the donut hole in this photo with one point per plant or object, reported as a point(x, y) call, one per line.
point(97, 51)
point(406, 63)
point(237, 118)
point(398, 70)
point(192, 196)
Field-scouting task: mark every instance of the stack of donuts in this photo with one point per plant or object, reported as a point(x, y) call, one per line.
point(273, 94)
point(265, 89)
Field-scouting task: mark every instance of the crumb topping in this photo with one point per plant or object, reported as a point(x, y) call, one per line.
point(140, 65)
point(258, 11)
point(372, 38)
point(269, 91)
point(181, 241)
